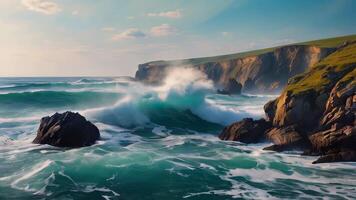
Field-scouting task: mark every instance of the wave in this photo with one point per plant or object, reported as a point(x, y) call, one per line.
point(31, 173)
point(87, 81)
point(7, 86)
point(23, 86)
point(27, 102)
point(179, 102)
point(55, 86)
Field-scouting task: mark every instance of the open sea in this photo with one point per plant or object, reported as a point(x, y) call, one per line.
point(157, 142)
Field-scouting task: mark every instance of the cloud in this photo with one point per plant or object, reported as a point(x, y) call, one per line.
point(162, 30)
point(132, 33)
point(75, 12)
point(225, 33)
point(42, 6)
point(169, 14)
point(108, 29)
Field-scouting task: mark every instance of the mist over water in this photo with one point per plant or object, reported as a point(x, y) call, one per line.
point(157, 143)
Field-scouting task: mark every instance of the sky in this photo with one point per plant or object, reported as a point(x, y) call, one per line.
point(111, 37)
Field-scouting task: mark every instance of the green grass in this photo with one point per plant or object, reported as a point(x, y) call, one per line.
point(324, 43)
point(330, 42)
point(196, 61)
point(320, 75)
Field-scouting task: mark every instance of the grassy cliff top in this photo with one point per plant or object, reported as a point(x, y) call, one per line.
point(324, 43)
point(340, 64)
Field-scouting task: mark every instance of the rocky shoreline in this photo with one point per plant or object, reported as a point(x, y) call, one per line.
point(315, 113)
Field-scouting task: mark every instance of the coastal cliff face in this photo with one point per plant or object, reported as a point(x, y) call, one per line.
point(266, 72)
point(316, 111)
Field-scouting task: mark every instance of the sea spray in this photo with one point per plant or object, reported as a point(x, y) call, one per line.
point(183, 92)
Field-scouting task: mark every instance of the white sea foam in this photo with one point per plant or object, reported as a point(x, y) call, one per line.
point(161, 131)
point(36, 169)
point(183, 88)
point(20, 119)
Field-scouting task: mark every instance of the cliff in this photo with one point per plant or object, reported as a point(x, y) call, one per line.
point(263, 73)
point(260, 71)
point(315, 112)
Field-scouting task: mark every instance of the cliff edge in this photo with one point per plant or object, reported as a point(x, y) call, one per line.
point(266, 72)
point(315, 112)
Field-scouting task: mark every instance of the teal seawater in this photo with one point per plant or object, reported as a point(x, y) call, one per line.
point(157, 143)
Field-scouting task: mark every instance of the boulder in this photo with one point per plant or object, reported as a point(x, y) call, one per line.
point(231, 87)
point(344, 156)
point(66, 130)
point(287, 138)
point(246, 131)
point(335, 140)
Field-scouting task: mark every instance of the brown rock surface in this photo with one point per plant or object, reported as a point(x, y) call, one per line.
point(316, 111)
point(264, 72)
point(247, 131)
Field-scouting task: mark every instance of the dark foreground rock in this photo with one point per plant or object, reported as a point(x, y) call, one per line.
point(66, 130)
point(315, 113)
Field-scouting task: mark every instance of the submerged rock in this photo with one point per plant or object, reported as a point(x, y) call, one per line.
point(66, 130)
point(247, 131)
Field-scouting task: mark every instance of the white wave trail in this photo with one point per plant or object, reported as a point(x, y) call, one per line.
point(31, 173)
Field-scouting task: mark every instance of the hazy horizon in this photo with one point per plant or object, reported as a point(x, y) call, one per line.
point(52, 38)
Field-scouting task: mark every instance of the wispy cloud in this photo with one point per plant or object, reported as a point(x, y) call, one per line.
point(42, 6)
point(134, 33)
point(169, 14)
point(162, 30)
point(131, 33)
point(75, 12)
point(108, 29)
point(225, 33)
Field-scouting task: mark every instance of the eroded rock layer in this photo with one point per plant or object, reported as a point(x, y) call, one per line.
point(263, 72)
point(316, 111)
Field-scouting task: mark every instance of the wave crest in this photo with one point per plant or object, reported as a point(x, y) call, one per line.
point(180, 101)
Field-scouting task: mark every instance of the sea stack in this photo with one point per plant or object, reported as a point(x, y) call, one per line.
point(66, 130)
point(232, 87)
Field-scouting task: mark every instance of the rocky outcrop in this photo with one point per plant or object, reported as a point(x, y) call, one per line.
point(261, 72)
point(286, 138)
point(232, 87)
point(316, 111)
point(66, 130)
point(247, 131)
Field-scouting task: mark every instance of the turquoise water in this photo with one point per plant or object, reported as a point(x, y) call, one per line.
point(157, 143)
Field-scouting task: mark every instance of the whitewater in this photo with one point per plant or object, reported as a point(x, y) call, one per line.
point(157, 142)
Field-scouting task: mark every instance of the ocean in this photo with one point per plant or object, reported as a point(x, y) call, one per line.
point(157, 142)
